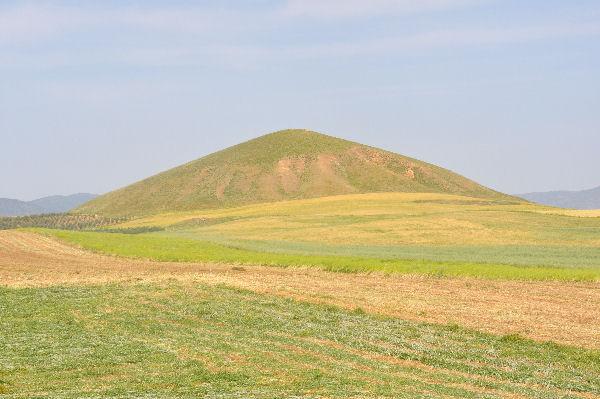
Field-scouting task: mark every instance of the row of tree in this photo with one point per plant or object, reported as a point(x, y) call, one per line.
point(64, 221)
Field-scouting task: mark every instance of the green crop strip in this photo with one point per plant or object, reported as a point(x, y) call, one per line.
point(169, 248)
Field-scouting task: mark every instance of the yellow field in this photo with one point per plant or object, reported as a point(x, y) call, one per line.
point(392, 219)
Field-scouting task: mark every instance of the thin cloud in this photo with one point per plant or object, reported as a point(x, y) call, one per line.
point(424, 41)
point(335, 9)
point(30, 23)
point(244, 56)
point(214, 37)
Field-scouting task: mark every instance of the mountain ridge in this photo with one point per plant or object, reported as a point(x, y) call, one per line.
point(574, 199)
point(283, 165)
point(50, 204)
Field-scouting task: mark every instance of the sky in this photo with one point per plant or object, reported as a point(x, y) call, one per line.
point(95, 95)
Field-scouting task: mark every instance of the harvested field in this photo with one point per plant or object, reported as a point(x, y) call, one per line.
point(563, 312)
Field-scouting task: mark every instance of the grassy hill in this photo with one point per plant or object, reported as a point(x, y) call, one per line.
point(285, 165)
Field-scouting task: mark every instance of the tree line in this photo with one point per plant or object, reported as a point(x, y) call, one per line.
point(63, 221)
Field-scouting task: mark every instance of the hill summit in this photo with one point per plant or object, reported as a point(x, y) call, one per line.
point(284, 165)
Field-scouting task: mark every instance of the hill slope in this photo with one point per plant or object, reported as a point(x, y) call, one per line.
point(52, 204)
point(584, 199)
point(289, 164)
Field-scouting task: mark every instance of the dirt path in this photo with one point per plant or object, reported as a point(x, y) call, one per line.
point(559, 311)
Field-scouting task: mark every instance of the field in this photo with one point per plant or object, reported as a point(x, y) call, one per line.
point(436, 234)
point(100, 326)
point(373, 295)
point(164, 247)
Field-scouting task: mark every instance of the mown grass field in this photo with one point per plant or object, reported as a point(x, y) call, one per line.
point(173, 339)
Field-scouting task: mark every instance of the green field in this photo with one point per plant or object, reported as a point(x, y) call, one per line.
point(165, 247)
point(183, 340)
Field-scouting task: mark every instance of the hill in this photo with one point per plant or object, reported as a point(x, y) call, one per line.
point(289, 164)
point(584, 199)
point(52, 204)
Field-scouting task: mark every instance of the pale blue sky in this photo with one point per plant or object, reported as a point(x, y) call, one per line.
point(98, 94)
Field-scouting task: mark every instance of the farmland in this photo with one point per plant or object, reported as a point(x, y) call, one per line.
point(434, 234)
point(372, 295)
point(101, 326)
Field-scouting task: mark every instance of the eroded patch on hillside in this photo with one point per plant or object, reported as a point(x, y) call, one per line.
point(289, 172)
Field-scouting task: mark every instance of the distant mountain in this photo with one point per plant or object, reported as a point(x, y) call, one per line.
point(52, 204)
point(285, 165)
point(62, 203)
point(13, 207)
point(584, 199)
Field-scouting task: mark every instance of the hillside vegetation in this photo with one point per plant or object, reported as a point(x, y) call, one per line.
point(289, 164)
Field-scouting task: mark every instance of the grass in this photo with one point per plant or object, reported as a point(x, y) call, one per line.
point(564, 312)
point(176, 340)
point(161, 247)
point(519, 255)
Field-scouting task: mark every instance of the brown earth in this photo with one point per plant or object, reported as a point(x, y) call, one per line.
point(563, 312)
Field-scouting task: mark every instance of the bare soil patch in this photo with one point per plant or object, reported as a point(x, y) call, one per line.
point(562, 312)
